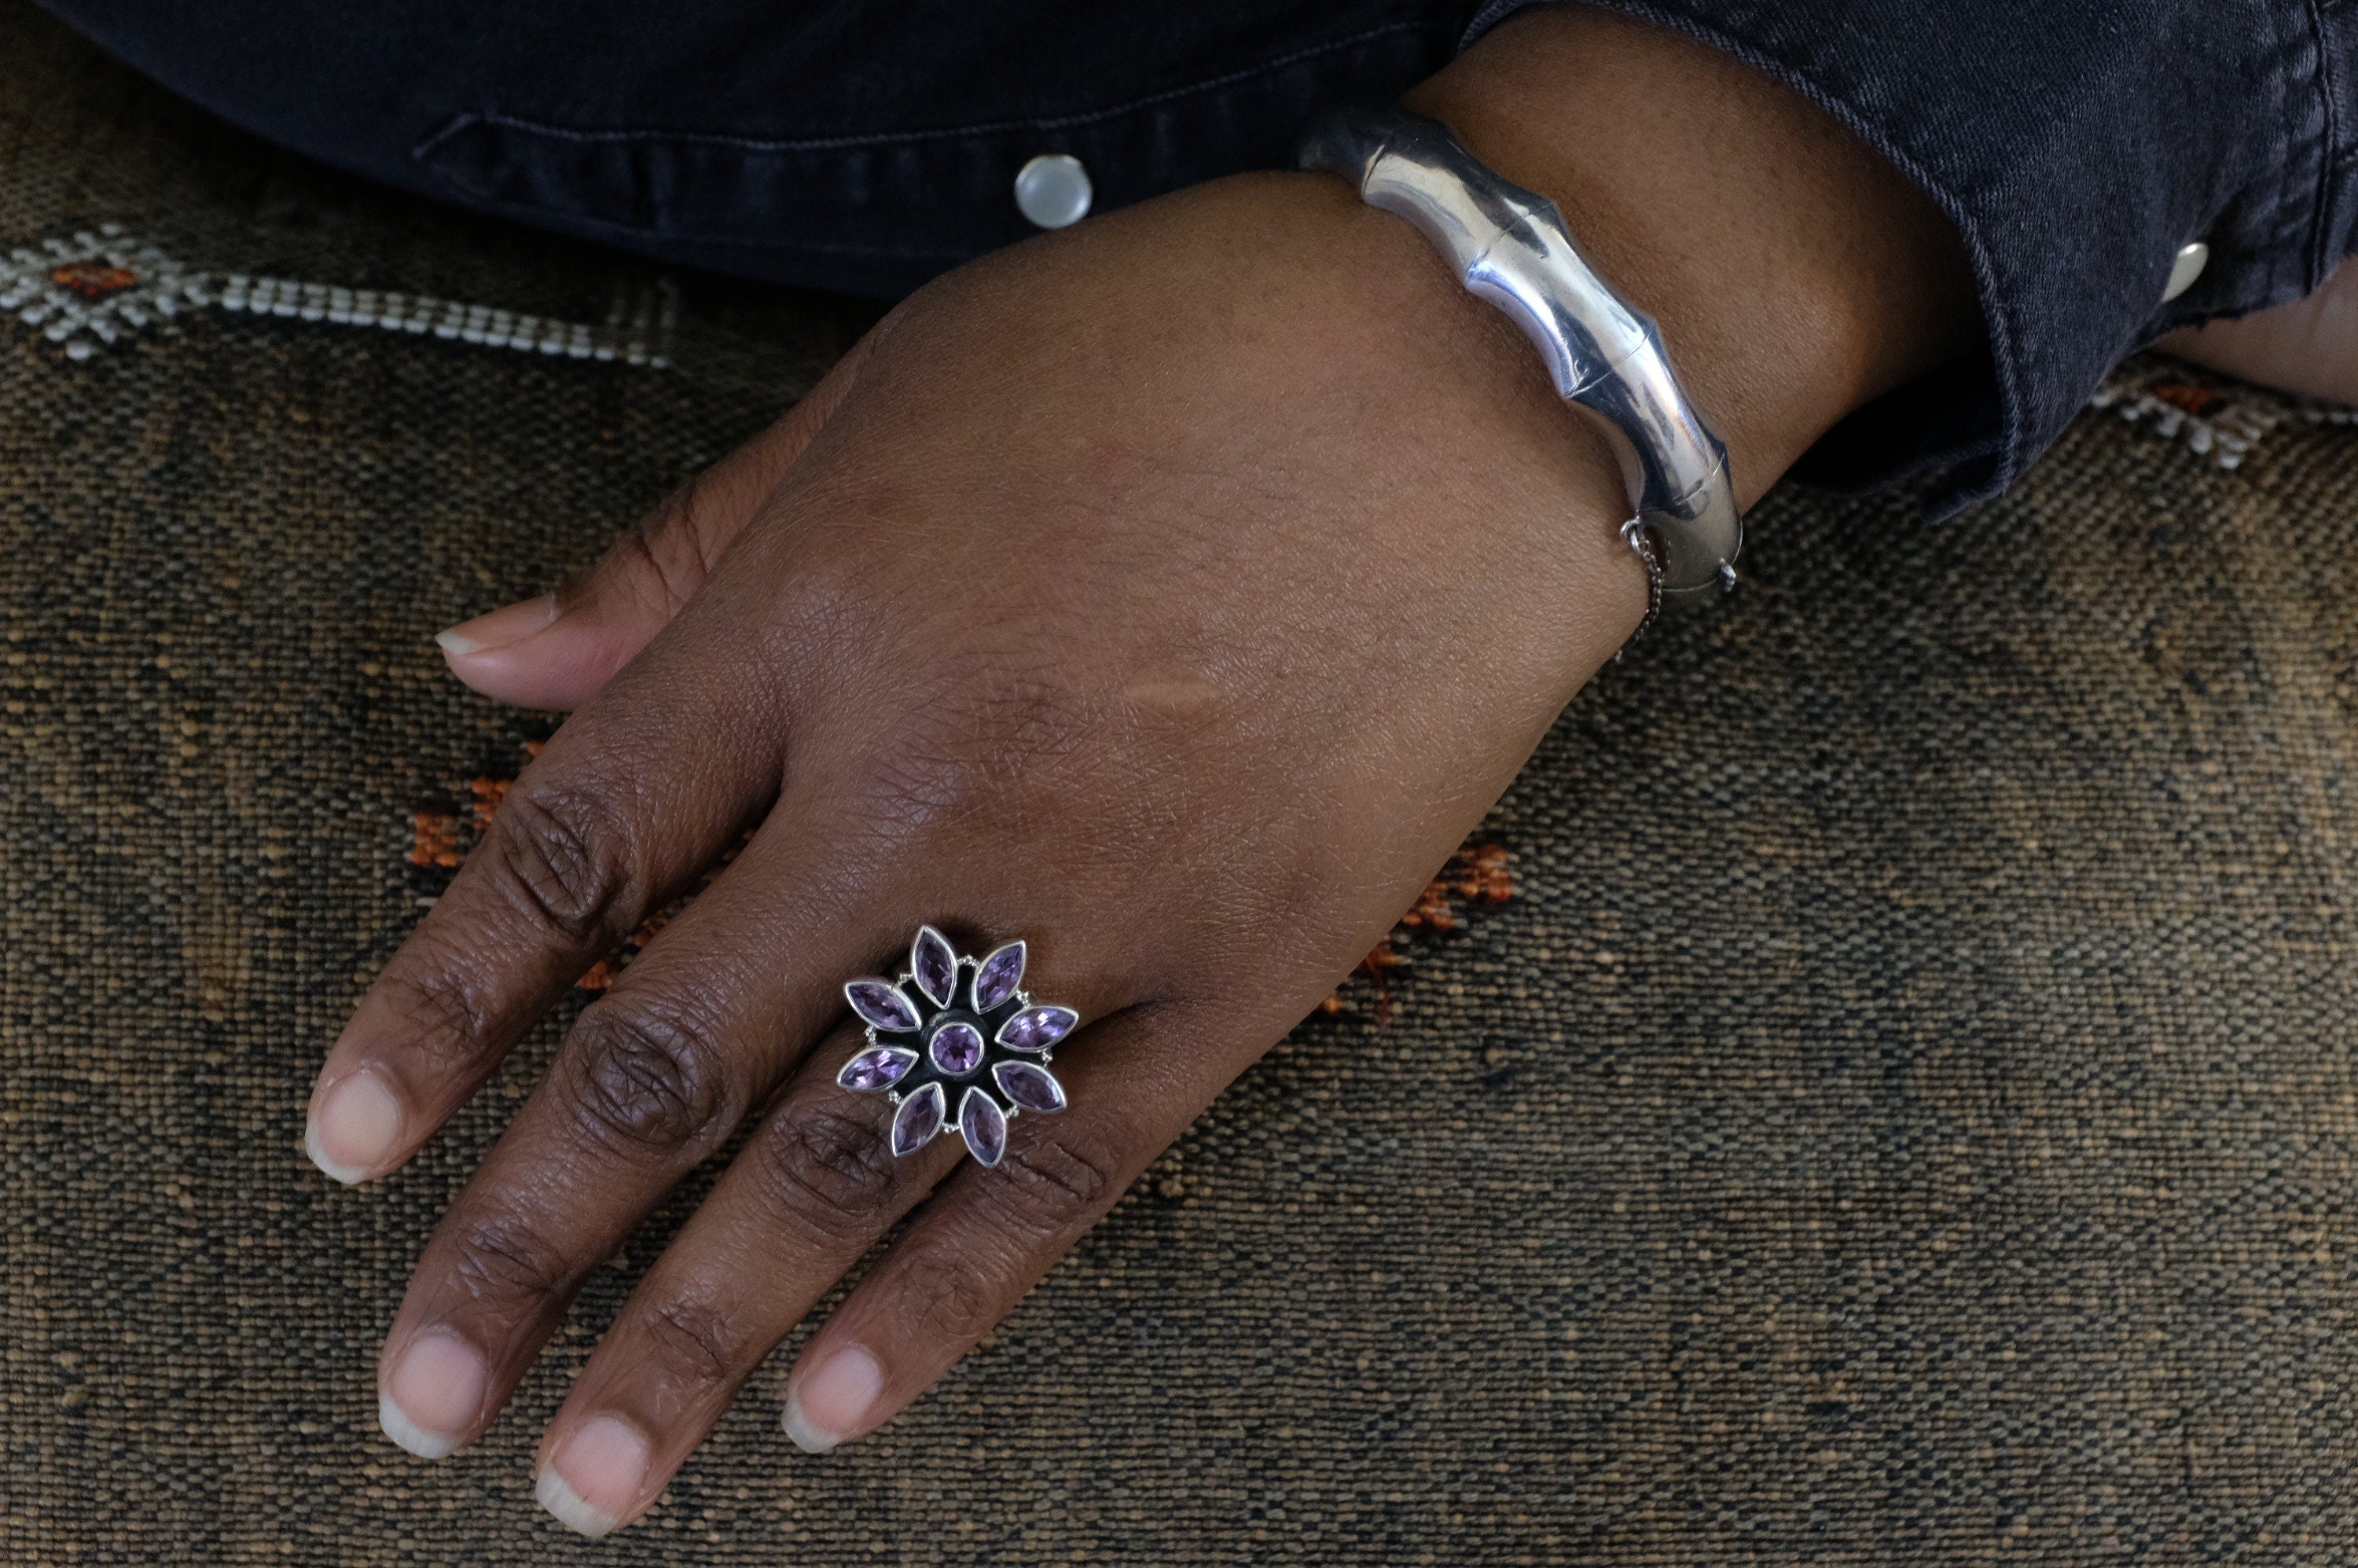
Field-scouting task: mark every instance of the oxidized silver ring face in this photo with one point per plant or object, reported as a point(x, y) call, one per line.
point(956, 1032)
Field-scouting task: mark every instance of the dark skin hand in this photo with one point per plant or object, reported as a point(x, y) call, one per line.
point(2309, 346)
point(1221, 531)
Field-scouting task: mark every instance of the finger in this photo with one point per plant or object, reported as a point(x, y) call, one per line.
point(651, 1081)
point(806, 1198)
point(653, 1077)
point(989, 1233)
point(809, 1197)
point(559, 649)
point(629, 803)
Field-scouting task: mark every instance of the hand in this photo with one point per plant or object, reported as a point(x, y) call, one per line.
point(1175, 593)
point(2309, 346)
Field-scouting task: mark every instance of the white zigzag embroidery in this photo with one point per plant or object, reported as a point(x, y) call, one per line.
point(95, 289)
point(2216, 416)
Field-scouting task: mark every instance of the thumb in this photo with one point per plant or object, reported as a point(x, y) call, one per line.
point(558, 650)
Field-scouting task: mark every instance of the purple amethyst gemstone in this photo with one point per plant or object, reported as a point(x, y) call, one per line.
point(1037, 1028)
point(957, 1049)
point(1030, 1086)
point(999, 975)
point(935, 965)
point(880, 1002)
point(877, 1069)
point(985, 1126)
point(919, 1117)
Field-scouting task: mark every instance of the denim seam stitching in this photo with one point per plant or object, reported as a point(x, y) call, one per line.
point(2318, 263)
point(1485, 19)
point(890, 138)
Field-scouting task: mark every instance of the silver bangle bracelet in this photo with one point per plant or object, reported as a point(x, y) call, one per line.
point(1510, 246)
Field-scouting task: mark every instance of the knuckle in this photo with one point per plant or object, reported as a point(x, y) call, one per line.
point(945, 1297)
point(644, 1077)
point(563, 850)
point(1000, 744)
point(696, 1341)
point(640, 576)
point(668, 557)
point(1016, 708)
point(829, 1171)
point(1058, 1181)
point(500, 1259)
point(445, 1009)
point(702, 519)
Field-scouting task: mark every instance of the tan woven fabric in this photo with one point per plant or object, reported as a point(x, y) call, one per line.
point(1903, 1109)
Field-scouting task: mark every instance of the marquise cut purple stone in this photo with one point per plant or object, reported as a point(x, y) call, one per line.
point(1030, 1086)
point(877, 1069)
point(957, 1048)
point(935, 964)
point(985, 1126)
point(880, 1003)
point(919, 1117)
point(997, 977)
point(1037, 1028)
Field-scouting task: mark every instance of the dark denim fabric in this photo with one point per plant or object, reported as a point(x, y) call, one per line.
point(2077, 145)
point(858, 146)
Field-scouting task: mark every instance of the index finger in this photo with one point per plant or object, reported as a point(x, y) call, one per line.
point(632, 798)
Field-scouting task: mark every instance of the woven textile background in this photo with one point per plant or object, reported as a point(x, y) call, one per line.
point(1903, 1110)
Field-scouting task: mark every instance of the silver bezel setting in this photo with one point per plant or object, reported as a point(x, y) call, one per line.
point(922, 1074)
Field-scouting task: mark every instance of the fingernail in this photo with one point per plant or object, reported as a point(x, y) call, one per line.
point(831, 1402)
point(593, 1480)
point(434, 1395)
point(509, 624)
point(354, 1129)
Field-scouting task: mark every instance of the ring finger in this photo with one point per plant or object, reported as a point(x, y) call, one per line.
point(821, 1178)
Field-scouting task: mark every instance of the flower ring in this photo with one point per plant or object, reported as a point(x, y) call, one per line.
point(954, 1026)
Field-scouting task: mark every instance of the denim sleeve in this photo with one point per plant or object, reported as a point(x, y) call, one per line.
point(2077, 145)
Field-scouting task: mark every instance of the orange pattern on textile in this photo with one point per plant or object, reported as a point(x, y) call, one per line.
point(2184, 395)
point(436, 842)
point(1474, 876)
point(488, 794)
point(441, 840)
point(92, 281)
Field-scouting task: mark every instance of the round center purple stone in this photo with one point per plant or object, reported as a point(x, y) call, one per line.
point(957, 1047)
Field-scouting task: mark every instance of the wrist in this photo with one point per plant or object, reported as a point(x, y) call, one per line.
point(1441, 397)
point(1794, 273)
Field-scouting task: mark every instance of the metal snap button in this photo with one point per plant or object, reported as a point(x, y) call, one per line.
point(1053, 190)
point(2191, 260)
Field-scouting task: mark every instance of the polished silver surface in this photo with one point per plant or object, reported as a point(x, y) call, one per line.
point(1054, 190)
point(1509, 245)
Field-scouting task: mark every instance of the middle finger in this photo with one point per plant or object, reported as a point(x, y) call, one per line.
point(652, 1078)
point(812, 1193)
